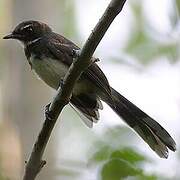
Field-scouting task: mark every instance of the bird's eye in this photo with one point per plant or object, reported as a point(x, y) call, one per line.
point(30, 29)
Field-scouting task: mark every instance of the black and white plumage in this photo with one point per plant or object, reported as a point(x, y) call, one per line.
point(50, 55)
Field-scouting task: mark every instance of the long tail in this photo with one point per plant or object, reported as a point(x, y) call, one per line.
point(151, 131)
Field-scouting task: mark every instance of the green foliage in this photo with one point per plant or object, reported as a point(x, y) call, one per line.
point(129, 155)
point(174, 16)
point(146, 44)
point(102, 154)
point(119, 161)
point(177, 4)
point(117, 168)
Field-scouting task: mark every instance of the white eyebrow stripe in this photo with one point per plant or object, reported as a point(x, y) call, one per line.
point(29, 25)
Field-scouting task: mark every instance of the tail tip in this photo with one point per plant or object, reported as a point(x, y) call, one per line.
point(173, 147)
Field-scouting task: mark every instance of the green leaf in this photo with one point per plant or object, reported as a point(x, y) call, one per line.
point(129, 155)
point(102, 154)
point(116, 169)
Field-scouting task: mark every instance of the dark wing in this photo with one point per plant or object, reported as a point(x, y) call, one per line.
point(61, 48)
point(97, 77)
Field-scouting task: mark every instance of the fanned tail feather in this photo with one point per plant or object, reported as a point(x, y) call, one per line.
point(151, 131)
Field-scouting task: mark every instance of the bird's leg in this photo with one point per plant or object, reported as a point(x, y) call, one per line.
point(48, 113)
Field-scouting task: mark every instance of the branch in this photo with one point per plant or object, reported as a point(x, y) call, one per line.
point(63, 96)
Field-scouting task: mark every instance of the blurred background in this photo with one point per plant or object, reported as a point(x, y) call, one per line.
point(140, 55)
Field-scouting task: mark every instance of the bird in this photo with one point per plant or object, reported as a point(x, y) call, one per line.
point(50, 55)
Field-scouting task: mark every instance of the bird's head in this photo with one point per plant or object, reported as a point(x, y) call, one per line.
point(28, 31)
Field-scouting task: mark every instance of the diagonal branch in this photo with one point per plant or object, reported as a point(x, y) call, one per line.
point(63, 96)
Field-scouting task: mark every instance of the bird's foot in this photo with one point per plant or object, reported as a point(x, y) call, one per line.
point(48, 113)
point(95, 59)
point(76, 53)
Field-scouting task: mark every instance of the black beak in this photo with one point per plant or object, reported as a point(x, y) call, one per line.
point(12, 36)
point(9, 36)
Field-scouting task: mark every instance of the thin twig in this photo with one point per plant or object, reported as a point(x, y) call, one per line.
point(62, 98)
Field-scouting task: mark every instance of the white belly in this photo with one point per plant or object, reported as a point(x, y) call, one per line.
point(50, 71)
